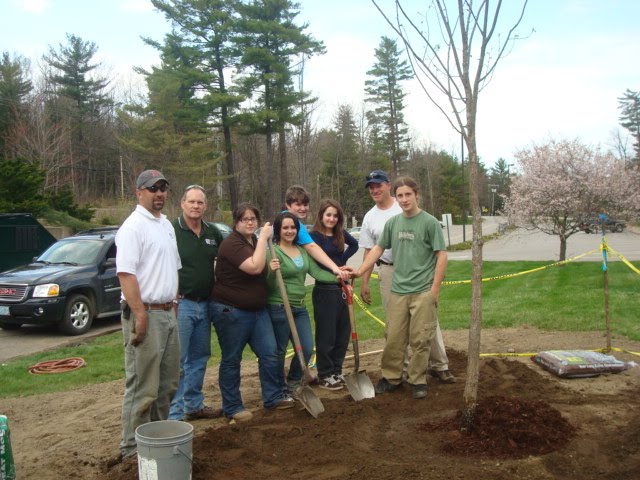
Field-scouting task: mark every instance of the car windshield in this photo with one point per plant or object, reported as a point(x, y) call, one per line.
point(77, 252)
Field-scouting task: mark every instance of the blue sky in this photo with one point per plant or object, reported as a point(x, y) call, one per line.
point(561, 81)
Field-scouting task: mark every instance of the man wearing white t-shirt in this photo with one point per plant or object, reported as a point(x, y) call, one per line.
point(147, 262)
point(372, 225)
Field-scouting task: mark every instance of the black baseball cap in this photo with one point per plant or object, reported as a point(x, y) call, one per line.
point(377, 176)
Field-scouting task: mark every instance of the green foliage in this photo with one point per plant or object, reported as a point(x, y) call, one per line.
point(63, 201)
point(20, 186)
point(14, 87)
point(56, 217)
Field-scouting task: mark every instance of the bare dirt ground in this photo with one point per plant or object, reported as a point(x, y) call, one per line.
point(75, 434)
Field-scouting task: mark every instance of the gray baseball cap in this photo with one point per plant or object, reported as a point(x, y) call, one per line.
point(148, 178)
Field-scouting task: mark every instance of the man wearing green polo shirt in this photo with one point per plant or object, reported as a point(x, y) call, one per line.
point(198, 243)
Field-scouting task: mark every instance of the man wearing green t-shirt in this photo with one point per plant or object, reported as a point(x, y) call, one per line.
point(198, 243)
point(420, 261)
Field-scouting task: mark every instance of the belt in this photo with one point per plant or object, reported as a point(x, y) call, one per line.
point(382, 262)
point(159, 306)
point(193, 298)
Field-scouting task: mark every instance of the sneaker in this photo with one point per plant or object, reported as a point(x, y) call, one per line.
point(241, 416)
point(330, 383)
point(444, 376)
point(286, 402)
point(384, 386)
point(419, 391)
point(338, 377)
point(204, 412)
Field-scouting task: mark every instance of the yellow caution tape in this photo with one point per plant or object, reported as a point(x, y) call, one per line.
point(511, 275)
point(366, 310)
point(624, 260)
point(601, 350)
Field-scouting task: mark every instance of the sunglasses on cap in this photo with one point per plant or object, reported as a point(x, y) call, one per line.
point(154, 188)
point(377, 175)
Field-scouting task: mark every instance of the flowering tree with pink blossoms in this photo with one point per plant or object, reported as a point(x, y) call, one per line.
point(564, 183)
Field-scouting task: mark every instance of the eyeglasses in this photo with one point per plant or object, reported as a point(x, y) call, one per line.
point(195, 187)
point(154, 188)
point(249, 220)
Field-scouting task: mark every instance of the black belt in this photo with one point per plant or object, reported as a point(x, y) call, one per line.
point(382, 262)
point(194, 298)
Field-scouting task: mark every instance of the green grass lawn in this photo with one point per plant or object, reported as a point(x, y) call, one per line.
point(566, 298)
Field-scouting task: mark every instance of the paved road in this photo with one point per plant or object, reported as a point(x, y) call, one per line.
point(515, 245)
point(31, 339)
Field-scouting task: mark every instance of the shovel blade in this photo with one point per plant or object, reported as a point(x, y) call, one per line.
point(310, 401)
point(359, 386)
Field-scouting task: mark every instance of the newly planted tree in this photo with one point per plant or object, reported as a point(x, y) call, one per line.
point(454, 49)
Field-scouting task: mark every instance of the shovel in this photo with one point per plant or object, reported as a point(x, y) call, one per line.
point(358, 383)
point(305, 394)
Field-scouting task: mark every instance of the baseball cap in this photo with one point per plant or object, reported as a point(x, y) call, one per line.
point(148, 178)
point(377, 176)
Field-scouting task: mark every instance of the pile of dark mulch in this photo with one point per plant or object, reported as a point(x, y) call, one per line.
point(507, 427)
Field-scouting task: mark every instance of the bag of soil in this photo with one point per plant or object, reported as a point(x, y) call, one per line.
point(578, 363)
point(7, 467)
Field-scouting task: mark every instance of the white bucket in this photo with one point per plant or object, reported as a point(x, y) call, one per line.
point(164, 450)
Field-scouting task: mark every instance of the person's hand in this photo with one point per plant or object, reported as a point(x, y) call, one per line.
point(345, 275)
point(140, 331)
point(365, 294)
point(436, 295)
point(267, 231)
point(274, 264)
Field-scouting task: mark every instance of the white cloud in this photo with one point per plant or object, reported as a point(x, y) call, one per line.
point(33, 6)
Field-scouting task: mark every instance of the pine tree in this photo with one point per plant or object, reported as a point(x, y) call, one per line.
point(384, 91)
point(629, 105)
point(14, 88)
point(271, 42)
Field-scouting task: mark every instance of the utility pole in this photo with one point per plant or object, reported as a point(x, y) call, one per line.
point(121, 180)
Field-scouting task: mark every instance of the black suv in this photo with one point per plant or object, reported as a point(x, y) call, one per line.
point(70, 284)
point(592, 224)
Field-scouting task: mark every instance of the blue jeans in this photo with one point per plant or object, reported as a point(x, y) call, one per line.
point(235, 329)
point(283, 334)
point(194, 328)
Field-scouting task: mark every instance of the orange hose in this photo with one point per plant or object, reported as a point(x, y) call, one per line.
point(58, 366)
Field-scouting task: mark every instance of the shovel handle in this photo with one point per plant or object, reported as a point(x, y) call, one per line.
point(348, 291)
point(290, 320)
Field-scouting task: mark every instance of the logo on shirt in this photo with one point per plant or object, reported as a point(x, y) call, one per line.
point(406, 236)
point(210, 241)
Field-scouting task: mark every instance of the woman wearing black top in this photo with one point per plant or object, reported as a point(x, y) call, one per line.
point(329, 306)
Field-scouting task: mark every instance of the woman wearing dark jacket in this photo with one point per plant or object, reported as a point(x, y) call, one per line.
point(329, 305)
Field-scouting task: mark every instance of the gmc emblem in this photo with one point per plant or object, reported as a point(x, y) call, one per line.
point(8, 291)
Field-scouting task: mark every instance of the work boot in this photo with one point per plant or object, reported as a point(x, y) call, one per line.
point(444, 376)
point(384, 386)
point(204, 412)
point(241, 416)
point(286, 402)
point(419, 391)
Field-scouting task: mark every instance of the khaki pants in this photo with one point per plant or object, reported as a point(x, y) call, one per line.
point(152, 372)
point(438, 359)
point(414, 324)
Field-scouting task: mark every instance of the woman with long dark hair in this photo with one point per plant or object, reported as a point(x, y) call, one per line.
point(329, 305)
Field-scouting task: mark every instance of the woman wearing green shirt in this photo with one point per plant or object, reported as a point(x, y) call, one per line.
point(294, 263)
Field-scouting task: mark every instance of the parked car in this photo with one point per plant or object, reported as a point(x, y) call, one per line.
point(73, 282)
point(593, 225)
point(225, 229)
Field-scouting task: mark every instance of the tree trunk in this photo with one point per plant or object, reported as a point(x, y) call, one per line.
point(563, 247)
point(272, 180)
point(470, 395)
point(282, 154)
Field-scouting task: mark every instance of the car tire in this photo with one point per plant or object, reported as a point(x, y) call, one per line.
point(78, 315)
point(10, 326)
point(619, 228)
